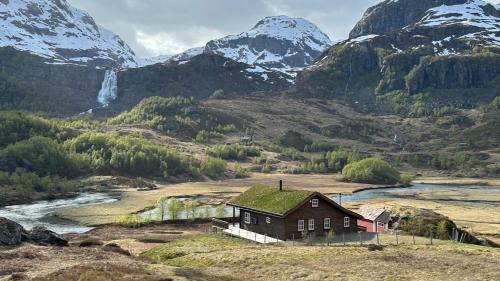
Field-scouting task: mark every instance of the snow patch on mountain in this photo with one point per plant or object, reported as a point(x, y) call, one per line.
point(276, 42)
point(55, 30)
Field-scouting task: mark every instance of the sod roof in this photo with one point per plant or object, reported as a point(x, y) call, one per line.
point(270, 199)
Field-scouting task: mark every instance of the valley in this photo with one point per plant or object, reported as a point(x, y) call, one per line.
point(118, 167)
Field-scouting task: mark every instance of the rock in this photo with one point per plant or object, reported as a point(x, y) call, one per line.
point(373, 247)
point(43, 236)
point(11, 233)
point(115, 248)
point(91, 242)
point(19, 276)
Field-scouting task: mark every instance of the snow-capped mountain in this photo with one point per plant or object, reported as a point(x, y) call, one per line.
point(414, 47)
point(275, 42)
point(55, 30)
point(280, 43)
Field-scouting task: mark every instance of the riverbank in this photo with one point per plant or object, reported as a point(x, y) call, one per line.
point(458, 181)
point(134, 201)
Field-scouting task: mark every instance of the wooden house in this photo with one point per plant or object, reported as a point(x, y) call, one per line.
point(288, 214)
point(374, 219)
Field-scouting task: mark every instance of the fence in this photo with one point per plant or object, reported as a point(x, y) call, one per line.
point(350, 239)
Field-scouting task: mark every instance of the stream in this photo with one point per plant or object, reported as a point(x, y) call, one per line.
point(42, 212)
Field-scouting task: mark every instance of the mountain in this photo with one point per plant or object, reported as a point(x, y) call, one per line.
point(278, 42)
point(55, 30)
point(434, 52)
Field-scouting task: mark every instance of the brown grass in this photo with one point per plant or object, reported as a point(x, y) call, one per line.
point(212, 192)
point(244, 261)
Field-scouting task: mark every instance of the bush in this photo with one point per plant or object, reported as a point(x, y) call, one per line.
point(130, 155)
point(15, 126)
point(371, 170)
point(213, 167)
point(23, 187)
point(42, 156)
point(218, 94)
point(234, 152)
point(240, 172)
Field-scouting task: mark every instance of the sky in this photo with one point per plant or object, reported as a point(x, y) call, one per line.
point(165, 27)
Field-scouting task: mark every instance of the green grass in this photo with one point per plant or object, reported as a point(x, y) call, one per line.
point(180, 252)
point(271, 199)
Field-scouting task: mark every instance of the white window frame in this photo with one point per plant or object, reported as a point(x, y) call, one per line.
point(315, 203)
point(380, 225)
point(347, 222)
point(247, 219)
point(327, 223)
point(301, 225)
point(310, 224)
point(268, 220)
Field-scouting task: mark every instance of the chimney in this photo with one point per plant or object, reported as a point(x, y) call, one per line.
point(281, 185)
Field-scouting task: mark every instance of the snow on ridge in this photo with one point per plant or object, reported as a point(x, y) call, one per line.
point(56, 30)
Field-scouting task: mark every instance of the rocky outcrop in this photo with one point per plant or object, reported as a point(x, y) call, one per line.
point(44, 86)
point(413, 47)
point(11, 233)
point(392, 15)
point(197, 78)
point(41, 235)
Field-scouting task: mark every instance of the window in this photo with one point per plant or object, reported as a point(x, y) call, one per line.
point(247, 218)
point(380, 226)
point(253, 220)
point(268, 220)
point(326, 223)
point(346, 222)
point(300, 225)
point(315, 203)
point(310, 224)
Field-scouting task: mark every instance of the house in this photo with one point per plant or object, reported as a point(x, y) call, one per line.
point(374, 219)
point(287, 214)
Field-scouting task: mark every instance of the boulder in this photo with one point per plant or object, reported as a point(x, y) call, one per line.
point(43, 236)
point(11, 233)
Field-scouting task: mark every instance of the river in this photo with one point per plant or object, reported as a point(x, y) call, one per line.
point(42, 212)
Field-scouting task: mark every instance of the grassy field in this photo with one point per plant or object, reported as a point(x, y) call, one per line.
point(234, 259)
point(210, 192)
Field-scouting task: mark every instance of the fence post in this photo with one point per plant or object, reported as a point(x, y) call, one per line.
point(343, 238)
point(431, 238)
point(397, 239)
point(413, 238)
point(293, 239)
point(378, 241)
point(360, 242)
point(265, 235)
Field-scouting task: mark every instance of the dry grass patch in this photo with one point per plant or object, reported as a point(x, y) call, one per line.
point(230, 257)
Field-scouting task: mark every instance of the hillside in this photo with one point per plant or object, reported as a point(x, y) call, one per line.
point(412, 57)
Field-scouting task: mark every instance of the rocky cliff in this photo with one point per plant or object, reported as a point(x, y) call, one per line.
point(417, 47)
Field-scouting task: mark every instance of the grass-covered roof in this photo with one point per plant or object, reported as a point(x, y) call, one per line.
point(270, 198)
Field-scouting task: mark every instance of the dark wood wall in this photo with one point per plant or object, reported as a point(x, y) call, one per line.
point(324, 210)
point(286, 228)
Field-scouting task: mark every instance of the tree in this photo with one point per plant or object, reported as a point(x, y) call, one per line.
point(161, 206)
point(190, 207)
point(220, 211)
point(174, 208)
point(207, 211)
point(218, 94)
point(371, 170)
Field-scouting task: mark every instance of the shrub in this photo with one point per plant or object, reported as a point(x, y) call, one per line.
point(240, 172)
point(130, 155)
point(213, 167)
point(234, 152)
point(371, 170)
point(218, 94)
point(42, 156)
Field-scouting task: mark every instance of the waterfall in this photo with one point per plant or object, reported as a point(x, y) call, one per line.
point(109, 88)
